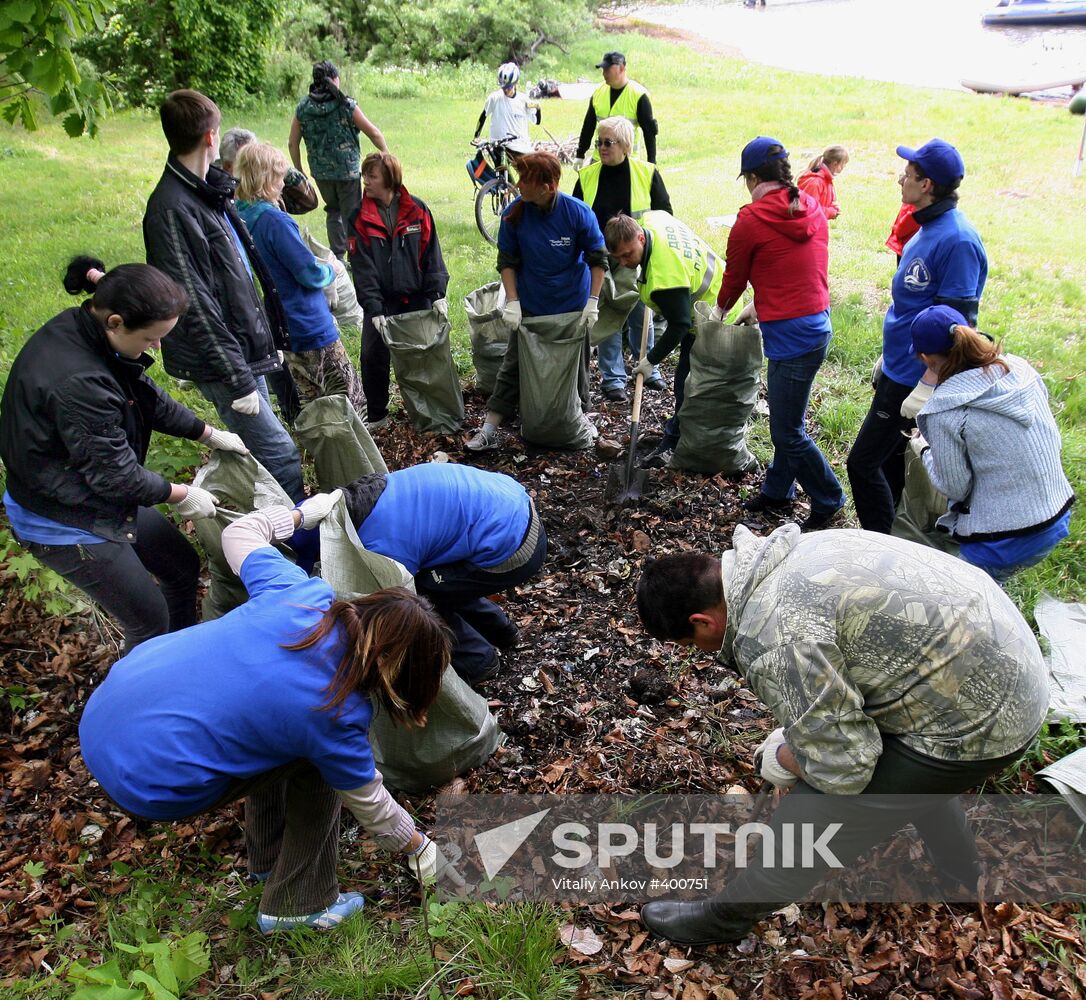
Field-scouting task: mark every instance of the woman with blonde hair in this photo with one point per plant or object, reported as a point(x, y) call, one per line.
point(317, 359)
point(273, 703)
point(990, 444)
point(817, 179)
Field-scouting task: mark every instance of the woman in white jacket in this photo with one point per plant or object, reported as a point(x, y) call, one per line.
point(990, 444)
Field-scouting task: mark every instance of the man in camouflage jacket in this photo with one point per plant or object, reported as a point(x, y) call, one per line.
point(893, 670)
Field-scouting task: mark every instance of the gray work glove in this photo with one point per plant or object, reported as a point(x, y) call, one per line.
point(196, 503)
point(442, 307)
point(317, 508)
point(225, 441)
point(511, 314)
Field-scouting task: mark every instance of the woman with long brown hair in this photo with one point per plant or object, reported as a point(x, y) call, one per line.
point(272, 703)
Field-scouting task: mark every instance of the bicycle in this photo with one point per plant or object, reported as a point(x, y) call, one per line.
point(496, 191)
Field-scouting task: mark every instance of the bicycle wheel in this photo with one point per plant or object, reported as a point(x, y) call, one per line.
point(493, 198)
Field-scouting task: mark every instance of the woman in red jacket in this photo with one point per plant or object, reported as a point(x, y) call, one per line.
point(817, 179)
point(780, 245)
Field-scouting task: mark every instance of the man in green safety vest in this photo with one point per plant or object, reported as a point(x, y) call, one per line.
point(678, 268)
point(618, 95)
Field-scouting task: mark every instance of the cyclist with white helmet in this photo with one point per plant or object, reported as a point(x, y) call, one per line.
point(509, 111)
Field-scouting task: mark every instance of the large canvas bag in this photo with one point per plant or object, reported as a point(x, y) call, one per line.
point(418, 343)
point(920, 506)
point(345, 307)
point(720, 394)
point(335, 436)
point(550, 352)
point(618, 296)
point(489, 335)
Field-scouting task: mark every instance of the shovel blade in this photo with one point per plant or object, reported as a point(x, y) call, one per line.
point(621, 490)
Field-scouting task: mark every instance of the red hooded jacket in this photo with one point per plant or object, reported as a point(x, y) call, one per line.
point(819, 185)
point(784, 257)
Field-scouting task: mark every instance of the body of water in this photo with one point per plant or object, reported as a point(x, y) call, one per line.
point(932, 43)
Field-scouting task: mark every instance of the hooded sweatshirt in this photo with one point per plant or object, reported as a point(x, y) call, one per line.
point(846, 635)
point(995, 452)
point(784, 257)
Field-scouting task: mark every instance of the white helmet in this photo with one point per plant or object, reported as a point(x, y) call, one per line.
point(508, 74)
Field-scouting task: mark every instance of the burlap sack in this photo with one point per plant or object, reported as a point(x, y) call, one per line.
point(418, 343)
point(551, 365)
point(721, 391)
point(489, 335)
point(920, 506)
point(336, 438)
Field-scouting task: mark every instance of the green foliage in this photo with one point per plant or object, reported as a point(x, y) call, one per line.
point(159, 969)
point(35, 582)
point(36, 63)
point(219, 47)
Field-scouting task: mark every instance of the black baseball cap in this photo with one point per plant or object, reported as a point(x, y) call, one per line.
point(611, 59)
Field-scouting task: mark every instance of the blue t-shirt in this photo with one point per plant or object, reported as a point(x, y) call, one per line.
point(182, 714)
point(1005, 552)
point(298, 276)
point(552, 276)
point(31, 527)
point(945, 260)
point(439, 513)
point(789, 338)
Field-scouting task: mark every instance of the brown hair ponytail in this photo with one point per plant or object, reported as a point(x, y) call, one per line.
point(971, 349)
point(395, 649)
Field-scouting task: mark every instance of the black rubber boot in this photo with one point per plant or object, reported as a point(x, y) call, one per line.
point(692, 922)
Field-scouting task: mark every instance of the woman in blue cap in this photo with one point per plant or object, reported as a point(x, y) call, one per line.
point(990, 444)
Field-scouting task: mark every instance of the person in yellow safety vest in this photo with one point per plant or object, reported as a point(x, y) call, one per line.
point(678, 268)
point(618, 183)
point(621, 96)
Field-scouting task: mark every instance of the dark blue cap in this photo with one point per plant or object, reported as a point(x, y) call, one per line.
point(756, 153)
point(939, 160)
point(933, 329)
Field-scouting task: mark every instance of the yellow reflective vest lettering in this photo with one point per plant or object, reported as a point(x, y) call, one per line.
point(640, 184)
point(679, 259)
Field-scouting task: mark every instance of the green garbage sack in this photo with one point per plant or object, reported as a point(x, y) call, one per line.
point(618, 296)
point(240, 484)
point(489, 335)
point(721, 391)
point(418, 343)
point(336, 437)
point(550, 352)
point(460, 733)
point(345, 307)
point(920, 506)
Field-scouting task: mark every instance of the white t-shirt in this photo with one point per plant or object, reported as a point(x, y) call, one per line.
point(510, 116)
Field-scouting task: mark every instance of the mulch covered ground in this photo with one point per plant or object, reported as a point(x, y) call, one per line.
point(589, 703)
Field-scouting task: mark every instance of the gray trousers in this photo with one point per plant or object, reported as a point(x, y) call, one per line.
point(341, 201)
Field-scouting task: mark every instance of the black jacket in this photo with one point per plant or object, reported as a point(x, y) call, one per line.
point(75, 424)
point(228, 335)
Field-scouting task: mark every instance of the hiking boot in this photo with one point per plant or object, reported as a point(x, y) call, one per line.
point(616, 394)
point(346, 903)
point(817, 520)
point(484, 439)
point(762, 504)
point(655, 383)
point(692, 923)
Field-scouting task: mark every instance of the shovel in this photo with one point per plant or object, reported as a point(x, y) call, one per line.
point(624, 482)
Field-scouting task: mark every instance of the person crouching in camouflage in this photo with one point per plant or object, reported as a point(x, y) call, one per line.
point(893, 670)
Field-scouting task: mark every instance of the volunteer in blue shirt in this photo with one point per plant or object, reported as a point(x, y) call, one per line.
point(551, 258)
point(488, 538)
point(272, 703)
point(943, 264)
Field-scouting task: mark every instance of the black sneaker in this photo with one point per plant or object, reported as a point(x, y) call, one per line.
point(817, 520)
point(762, 504)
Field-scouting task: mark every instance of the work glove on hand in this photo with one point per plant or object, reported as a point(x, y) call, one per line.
point(644, 368)
point(716, 314)
point(248, 405)
point(442, 307)
point(511, 314)
point(876, 372)
point(196, 503)
point(225, 441)
point(916, 399)
point(747, 317)
point(765, 759)
point(578, 162)
point(331, 294)
point(918, 444)
point(317, 508)
point(380, 324)
point(429, 865)
point(591, 311)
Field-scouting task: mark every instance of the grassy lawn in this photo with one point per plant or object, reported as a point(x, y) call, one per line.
point(59, 197)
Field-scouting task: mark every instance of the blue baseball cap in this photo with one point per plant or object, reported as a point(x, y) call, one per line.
point(933, 329)
point(756, 153)
point(938, 159)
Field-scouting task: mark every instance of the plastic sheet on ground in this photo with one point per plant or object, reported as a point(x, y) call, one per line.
point(550, 351)
point(920, 506)
point(489, 335)
point(720, 394)
point(418, 343)
point(1068, 777)
point(346, 309)
point(618, 296)
point(1064, 626)
point(336, 438)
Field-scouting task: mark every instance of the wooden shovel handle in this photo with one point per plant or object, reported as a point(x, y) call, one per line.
point(639, 385)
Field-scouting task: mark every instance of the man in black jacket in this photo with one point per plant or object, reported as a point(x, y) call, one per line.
point(227, 341)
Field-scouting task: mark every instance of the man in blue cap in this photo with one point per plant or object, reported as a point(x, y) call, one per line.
point(944, 263)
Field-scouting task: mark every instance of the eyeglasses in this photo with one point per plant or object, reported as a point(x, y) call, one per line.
point(606, 143)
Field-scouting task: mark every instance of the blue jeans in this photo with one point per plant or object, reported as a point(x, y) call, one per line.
point(263, 435)
point(796, 457)
point(612, 366)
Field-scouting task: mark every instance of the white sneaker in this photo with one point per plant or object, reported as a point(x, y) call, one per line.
point(484, 439)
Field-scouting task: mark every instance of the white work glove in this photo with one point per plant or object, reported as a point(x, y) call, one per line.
point(331, 294)
point(248, 405)
point(511, 314)
point(765, 759)
point(916, 399)
point(442, 307)
point(876, 372)
point(428, 864)
point(225, 441)
point(196, 503)
point(717, 314)
point(747, 317)
point(380, 324)
point(317, 508)
point(644, 368)
point(591, 311)
point(282, 357)
point(918, 444)
point(578, 162)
